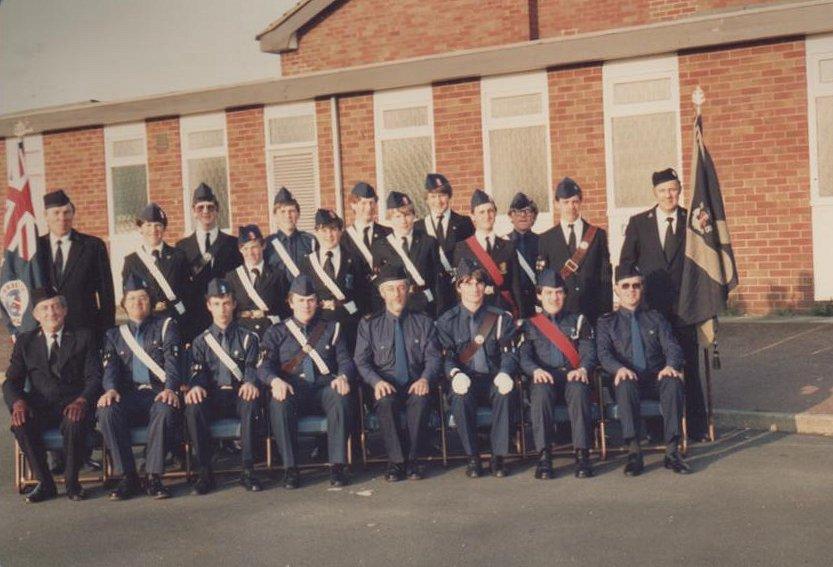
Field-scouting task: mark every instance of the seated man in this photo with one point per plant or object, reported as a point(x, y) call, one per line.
point(479, 360)
point(223, 384)
point(141, 381)
point(558, 353)
point(398, 355)
point(62, 368)
point(637, 347)
point(308, 368)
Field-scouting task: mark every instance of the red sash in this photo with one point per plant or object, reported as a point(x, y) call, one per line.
point(556, 337)
point(491, 269)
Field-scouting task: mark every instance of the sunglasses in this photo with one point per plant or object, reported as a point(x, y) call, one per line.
point(636, 285)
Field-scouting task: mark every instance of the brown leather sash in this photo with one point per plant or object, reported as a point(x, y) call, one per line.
point(313, 338)
point(572, 265)
point(477, 341)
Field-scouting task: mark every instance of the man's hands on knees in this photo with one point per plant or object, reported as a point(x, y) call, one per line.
point(196, 395)
point(541, 376)
point(167, 396)
point(109, 398)
point(382, 389)
point(623, 374)
point(281, 389)
point(419, 387)
point(341, 385)
point(76, 410)
point(248, 392)
point(578, 375)
point(20, 411)
point(669, 372)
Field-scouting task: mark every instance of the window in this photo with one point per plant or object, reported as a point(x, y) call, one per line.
point(205, 160)
point(404, 120)
point(125, 153)
point(516, 140)
point(292, 157)
point(33, 149)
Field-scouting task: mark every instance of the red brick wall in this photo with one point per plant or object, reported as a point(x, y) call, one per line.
point(458, 138)
point(165, 172)
point(358, 32)
point(247, 168)
point(74, 161)
point(756, 130)
point(577, 135)
point(357, 142)
point(326, 176)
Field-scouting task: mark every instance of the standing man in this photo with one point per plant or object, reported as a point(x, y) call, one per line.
point(478, 341)
point(655, 243)
point(494, 254)
point(308, 369)
point(141, 385)
point(259, 289)
point(286, 248)
point(61, 367)
point(416, 252)
point(365, 231)
point(558, 355)
point(223, 383)
point(522, 213)
point(210, 253)
point(638, 350)
point(400, 371)
point(449, 228)
point(578, 251)
point(77, 267)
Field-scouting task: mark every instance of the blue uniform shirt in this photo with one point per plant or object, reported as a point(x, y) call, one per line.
point(298, 245)
point(613, 341)
point(243, 348)
point(537, 351)
point(455, 331)
point(160, 339)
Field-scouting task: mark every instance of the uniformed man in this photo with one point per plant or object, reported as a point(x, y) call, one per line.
point(480, 361)
point(223, 384)
point(259, 289)
point(494, 254)
point(637, 348)
point(141, 384)
point(522, 213)
point(558, 354)
point(655, 243)
point(337, 275)
point(416, 252)
point(211, 253)
point(52, 381)
point(365, 231)
point(285, 249)
point(449, 228)
point(308, 368)
point(398, 355)
point(163, 267)
point(578, 251)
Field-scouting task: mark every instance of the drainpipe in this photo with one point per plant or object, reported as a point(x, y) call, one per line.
point(334, 125)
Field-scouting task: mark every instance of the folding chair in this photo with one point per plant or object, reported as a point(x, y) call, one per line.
point(309, 425)
point(53, 441)
point(139, 438)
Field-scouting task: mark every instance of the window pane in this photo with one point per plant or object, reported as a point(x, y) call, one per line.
point(519, 163)
point(642, 91)
point(405, 164)
point(824, 117)
point(641, 145)
point(405, 117)
point(129, 148)
point(205, 139)
point(212, 172)
point(129, 195)
point(519, 105)
point(292, 129)
point(826, 71)
point(296, 170)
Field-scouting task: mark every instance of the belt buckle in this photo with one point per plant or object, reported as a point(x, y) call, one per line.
point(160, 306)
point(570, 265)
point(145, 387)
point(328, 304)
point(227, 387)
point(258, 314)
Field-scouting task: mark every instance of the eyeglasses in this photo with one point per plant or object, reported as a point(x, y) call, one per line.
point(635, 285)
point(207, 208)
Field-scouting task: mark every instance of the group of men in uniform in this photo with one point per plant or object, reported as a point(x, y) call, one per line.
point(292, 324)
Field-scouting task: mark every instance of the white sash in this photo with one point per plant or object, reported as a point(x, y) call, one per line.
point(223, 356)
point(157, 275)
point(243, 274)
point(409, 265)
point(350, 306)
point(310, 350)
point(140, 353)
point(526, 267)
point(285, 257)
point(359, 242)
point(431, 230)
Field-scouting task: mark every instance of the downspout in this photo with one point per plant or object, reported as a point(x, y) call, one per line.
point(335, 126)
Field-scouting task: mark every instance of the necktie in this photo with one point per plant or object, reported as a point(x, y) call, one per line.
point(668, 242)
point(637, 346)
point(367, 236)
point(405, 245)
point(489, 245)
point(207, 241)
point(478, 363)
point(521, 242)
point(156, 255)
point(59, 261)
point(558, 359)
point(329, 269)
point(402, 374)
point(224, 377)
point(53, 354)
point(141, 375)
point(440, 232)
point(571, 242)
point(307, 366)
point(255, 275)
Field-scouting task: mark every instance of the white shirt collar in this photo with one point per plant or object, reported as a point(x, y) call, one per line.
point(662, 223)
point(150, 250)
point(322, 256)
point(214, 232)
point(446, 217)
point(258, 267)
point(481, 237)
point(578, 226)
point(361, 226)
point(59, 332)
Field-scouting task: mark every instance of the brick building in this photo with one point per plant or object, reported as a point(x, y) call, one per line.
point(502, 94)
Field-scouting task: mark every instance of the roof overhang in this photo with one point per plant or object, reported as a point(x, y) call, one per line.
point(282, 34)
point(755, 24)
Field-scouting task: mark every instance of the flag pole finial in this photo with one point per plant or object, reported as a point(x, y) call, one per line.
point(21, 129)
point(698, 97)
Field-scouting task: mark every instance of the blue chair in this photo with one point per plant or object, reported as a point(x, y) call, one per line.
point(139, 438)
point(310, 425)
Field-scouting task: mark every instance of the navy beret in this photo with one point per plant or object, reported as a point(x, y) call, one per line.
point(567, 188)
point(364, 190)
point(302, 285)
point(625, 271)
point(437, 183)
point(203, 193)
point(284, 197)
point(217, 287)
point(153, 213)
point(327, 217)
point(467, 268)
point(42, 294)
point(520, 201)
point(55, 199)
point(397, 199)
point(390, 272)
point(248, 233)
point(664, 175)
point(551, 278)
point(134, 282)
point(480, 197)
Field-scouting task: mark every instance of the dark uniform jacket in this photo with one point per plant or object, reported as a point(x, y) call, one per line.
point(174, 266)
point(454, 330)
point(503, 254)
point(351, 279)
point(537, 351)
point(271, 288)
point(86, 281)
point(79, 370)
point(298, 246)
point(423, 252)
point(459, 228)
point(643, 248)
point(590, 289)
point(613, 340)
point(526, 244)
point(244, 350)
point(160, 339)
point(379, 232)
point(375, 349)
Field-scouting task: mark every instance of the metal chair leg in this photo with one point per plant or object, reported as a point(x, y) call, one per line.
point(709, 402)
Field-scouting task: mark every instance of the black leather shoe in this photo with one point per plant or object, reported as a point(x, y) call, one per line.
point(543, 471)
point(635, 465)
point(474, 469)
point(156, 489)
point(204, 484)
point(583, 467)
point(75, 492)
point(414, 471)
point(499, 469)
point(291, 478)
point(395, 473)
point(92, 464)
point(127, 488)
point(41, 492)
point(677, 464)
point(337, 476)
point(249, 481)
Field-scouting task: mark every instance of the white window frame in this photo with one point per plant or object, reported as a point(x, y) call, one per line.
point(398, 99)
point(198, 123)
point(35, 170)
point(516, 85)
point(306, 108)
point(119, 133)
point(818, 48)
